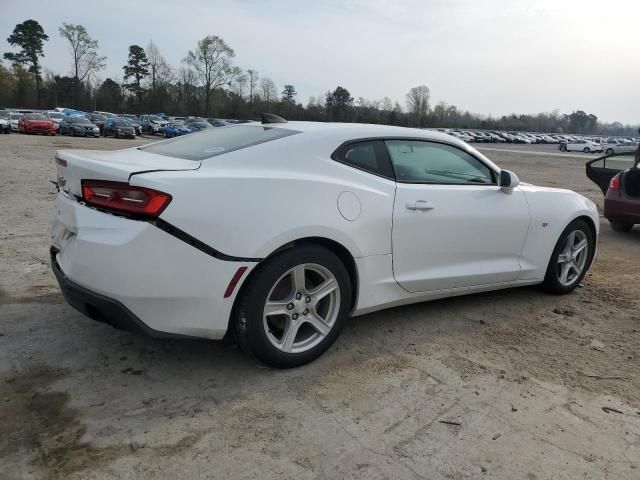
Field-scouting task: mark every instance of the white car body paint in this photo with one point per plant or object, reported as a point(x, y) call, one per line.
point(581, 145)
point(250, 202)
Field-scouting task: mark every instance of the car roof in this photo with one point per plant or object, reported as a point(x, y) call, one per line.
point(332, 134)
point(354, 131)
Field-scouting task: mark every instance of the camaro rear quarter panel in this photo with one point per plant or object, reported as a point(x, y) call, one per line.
point(165, 282)
point(257, 199)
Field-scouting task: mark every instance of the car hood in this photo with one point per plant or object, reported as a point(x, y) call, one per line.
point(42, 123)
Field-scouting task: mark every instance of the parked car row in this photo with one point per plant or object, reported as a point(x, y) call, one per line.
point(565, 142)
point(497, 136)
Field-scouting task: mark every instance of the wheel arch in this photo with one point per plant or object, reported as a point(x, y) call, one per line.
point(337, 248)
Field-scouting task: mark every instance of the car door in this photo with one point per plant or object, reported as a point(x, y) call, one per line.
point(601, 170)
point(453, 226)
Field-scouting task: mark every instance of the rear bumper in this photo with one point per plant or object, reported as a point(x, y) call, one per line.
point(100, 307)
point(622, 209)
point(135, 276)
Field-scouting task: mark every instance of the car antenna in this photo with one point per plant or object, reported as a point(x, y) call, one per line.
point(271, 118)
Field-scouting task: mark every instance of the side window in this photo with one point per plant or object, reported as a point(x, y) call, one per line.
point(370, 156)
point(417, 161)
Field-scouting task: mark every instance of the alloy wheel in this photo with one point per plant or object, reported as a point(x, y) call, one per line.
point(572, 258)
point(301, 308)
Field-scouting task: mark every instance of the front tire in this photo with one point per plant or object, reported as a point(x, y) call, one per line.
point(609, 151)
point(563, 148)
point(586, 150)
point(571, 258)
point(294, 307)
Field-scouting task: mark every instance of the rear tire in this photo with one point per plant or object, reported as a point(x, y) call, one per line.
point(568, 265)
point(282, 317)
point(620, 227)
point(563, 148)
point(609, 151)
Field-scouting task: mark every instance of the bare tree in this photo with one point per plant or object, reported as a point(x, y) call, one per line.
point(211, 61)
point(84, 51)
point(268, 89)
point(252, 76)
point(186, 89)
point(418, 103)
point(239, 84)
point(160, 72)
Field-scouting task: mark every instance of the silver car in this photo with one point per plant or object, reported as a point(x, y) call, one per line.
point(619, 147)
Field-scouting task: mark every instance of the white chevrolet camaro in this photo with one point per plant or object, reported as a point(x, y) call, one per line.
point(278, 232)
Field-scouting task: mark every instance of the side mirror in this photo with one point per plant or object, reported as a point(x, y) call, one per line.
point(508, 181)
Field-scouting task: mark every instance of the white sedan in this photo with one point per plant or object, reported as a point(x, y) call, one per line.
point(581, 145)
point(278, 232)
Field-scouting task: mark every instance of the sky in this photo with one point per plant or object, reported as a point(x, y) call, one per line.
point(492, 57)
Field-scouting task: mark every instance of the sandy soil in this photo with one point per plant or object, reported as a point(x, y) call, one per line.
point(502, 385)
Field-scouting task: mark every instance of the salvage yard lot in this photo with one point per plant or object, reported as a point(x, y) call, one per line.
point(501, 385)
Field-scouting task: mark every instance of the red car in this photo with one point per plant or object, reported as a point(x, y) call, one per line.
point(618, 176)
point(36, 123)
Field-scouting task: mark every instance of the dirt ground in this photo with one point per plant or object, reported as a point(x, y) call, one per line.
point(502, 385)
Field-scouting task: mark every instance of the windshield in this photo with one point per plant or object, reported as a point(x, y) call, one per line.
point(176, 124)
point(35, 116)
point(100, 118)
point(127, 122)
point(217, 141)
point(57, 116)
point(15, 116)
point(153, 118)
point(84, 120)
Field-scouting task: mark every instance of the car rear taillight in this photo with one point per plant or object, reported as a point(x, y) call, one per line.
point(615, 183)
point(122, 197)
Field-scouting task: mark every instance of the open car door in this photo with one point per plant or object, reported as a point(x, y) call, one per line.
point(601, 170)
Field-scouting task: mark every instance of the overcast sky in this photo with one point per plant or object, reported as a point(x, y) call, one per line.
point(486, 56)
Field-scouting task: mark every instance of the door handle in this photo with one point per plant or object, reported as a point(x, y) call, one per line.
point(422, 205)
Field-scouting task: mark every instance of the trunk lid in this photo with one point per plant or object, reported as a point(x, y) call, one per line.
point(73, 166)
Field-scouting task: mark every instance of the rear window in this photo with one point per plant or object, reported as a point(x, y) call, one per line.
point(214, 142)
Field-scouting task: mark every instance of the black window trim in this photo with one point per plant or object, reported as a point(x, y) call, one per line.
point(388, 163)
point(381, 148)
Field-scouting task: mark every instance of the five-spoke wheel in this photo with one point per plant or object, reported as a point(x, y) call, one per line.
point(294, 306)
point(571, 258)
point(301, 308)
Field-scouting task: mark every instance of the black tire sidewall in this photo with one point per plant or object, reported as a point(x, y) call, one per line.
point(249, 317)
point(551, 282)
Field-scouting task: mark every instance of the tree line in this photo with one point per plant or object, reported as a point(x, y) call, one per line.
point(209, 84)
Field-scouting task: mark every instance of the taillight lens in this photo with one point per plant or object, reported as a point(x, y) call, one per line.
point(122, 197)
point(615, 183)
